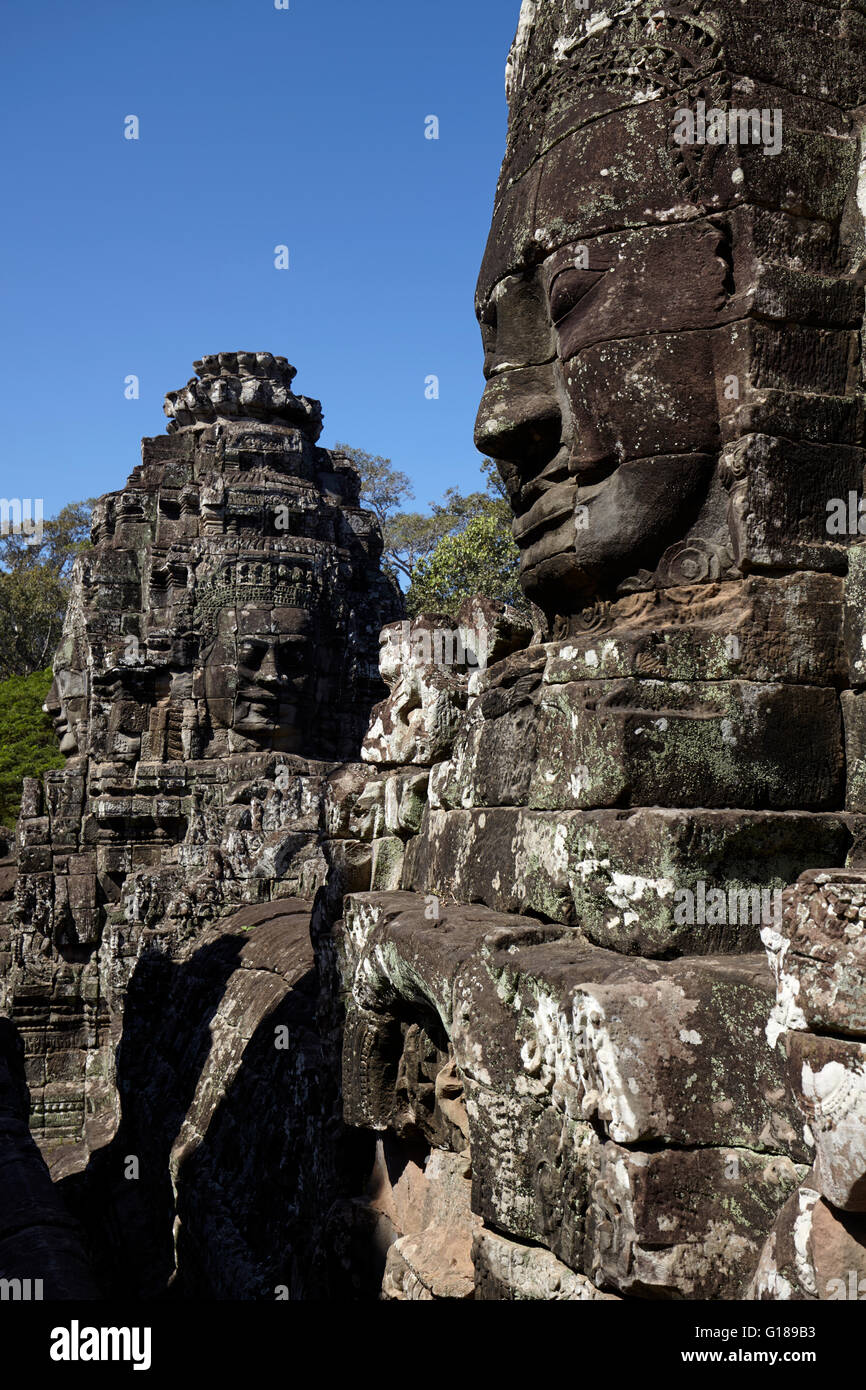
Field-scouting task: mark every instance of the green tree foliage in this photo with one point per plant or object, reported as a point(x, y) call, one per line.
point(383, 487)
point(28, 746)
point(479, 558)
point(475, 555)
point(385, 490)
point(462, 545)
point(34, 589)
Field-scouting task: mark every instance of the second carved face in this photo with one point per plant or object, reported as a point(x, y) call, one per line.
point(257, 677)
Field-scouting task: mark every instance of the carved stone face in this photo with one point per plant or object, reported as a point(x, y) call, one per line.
point(601, 405)
point(66, 705)
point(257, 676)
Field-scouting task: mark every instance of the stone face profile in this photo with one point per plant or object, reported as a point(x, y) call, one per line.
point(568, 941)
point(670, 329)
point(573, 952)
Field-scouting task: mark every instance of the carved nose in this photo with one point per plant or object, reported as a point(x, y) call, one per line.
point(519, 420)
point(267, 672)
point(52, 701)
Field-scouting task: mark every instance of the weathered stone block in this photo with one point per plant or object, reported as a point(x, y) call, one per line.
point(812, 1252)
point(783, 629)
point(506, 1272)
point(631, 880)
point(818, 953)
point(683, 1224)
point(640, 742)
point(854, 716)
point(387, 864)
point(405, 800)
point(562, 1049)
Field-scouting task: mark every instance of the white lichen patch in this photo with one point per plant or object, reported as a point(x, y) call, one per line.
point(597, 23)
point(807, 1199)
point(786, 1013)
point(580, 782)
point(548, 1052)
point(598, 1064)
point(624, 890)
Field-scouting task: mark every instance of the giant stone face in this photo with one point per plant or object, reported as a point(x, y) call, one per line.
point(615, 298)
point(219, 651)
point(218, 658)
point(600, 411)
point(257, 677)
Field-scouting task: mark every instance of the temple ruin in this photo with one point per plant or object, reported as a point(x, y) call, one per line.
point(536, 978)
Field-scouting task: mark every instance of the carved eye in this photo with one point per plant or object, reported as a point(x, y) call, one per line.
point(292, 658)
point(568, 289)
point(251, 654)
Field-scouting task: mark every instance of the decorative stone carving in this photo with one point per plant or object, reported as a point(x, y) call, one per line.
point(673, 399)
point(670, 328)
point(817, 1248)
point(217, 661)
point(545, 876)
point(42, 1255)
point(543, 1030)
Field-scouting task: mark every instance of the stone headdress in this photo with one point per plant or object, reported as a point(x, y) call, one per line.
point(594, 93)
point(266, 579)
point(570, 65)
point(242, 385)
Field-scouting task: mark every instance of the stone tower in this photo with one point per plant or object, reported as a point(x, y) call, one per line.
point(569, 991)
point(219, 657)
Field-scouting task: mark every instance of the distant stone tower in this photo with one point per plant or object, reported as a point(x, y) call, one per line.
point(219, 656)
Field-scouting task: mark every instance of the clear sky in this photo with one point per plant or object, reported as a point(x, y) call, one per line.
point(258, 127)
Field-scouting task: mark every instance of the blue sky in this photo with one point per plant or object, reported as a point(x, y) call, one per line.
point(258, 127)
